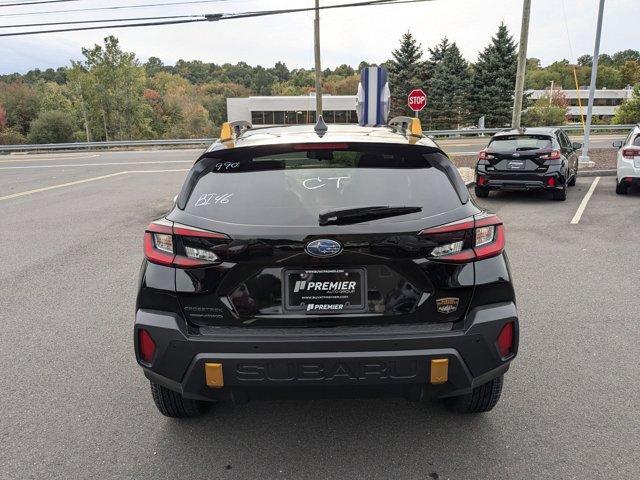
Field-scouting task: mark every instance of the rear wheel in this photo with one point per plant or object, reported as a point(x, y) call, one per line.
point(482, 192)
point(621, 188)
point(481, 399)
point(560, 194)
point(172, 404)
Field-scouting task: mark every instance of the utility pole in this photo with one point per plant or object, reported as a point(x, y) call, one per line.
point(584, 158)
point(522, 65)
point(316, 47)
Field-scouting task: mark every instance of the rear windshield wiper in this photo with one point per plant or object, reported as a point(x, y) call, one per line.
point(362, 214)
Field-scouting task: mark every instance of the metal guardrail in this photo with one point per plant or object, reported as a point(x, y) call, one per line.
point(208, 141)
point(491, 131)
point(101, 145)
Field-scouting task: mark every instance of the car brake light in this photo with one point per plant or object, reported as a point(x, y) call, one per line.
point(146, 345)
point(467, 240)
point(505, 340)
point(321, 146)
point(180, 246)
point(631, 152)
point(484, 155)
point(481, 180)
point(551, 181)
point(553, 155)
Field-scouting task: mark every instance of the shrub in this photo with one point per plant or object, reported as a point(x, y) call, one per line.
point(10, 136)
point(53, 126)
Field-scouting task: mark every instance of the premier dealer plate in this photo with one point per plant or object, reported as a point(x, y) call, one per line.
point(325, 290)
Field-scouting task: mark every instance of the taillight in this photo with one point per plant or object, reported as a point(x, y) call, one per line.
point(181, 246)
point(553, 155)
point(484, 155)
point(146, 346)
point(505, 340)
point(467, 240)
point(631, 152)
point(551, 181)
point(481, 180)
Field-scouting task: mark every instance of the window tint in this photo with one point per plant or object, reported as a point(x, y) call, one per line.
point(278, 186)
point(565, 143)
point(516, 143)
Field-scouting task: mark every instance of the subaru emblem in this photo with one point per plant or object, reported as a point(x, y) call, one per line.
point(323, 248)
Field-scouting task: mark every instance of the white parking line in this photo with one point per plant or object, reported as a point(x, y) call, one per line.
point(86, 180)
point(105, 164)
point(46, 159)
point(60, 185)
point(576, 218)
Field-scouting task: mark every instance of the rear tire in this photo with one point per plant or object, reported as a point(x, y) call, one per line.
point(621, 188)
point(481, 192)
point(481, 399)
point(172, 404)
point(560, 195)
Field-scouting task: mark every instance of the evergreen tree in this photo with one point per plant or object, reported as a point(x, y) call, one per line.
point(494, 80)
point(435, 57)
point(449, 89)
point(406, 70)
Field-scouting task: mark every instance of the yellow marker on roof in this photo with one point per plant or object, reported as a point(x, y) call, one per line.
point(415, 129)
point(226, 132)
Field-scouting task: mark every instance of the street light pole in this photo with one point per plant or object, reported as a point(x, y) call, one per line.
point(584, 158)
point(316, 47)
point(522, 65)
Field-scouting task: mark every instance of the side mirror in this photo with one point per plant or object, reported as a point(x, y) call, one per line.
point(618, 144)
point(577, 145)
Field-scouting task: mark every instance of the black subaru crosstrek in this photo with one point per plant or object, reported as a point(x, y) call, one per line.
point(528, 159)
point(348, 261)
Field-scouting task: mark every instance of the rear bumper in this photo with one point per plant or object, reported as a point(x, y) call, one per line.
point(318, 362)
point(501, 180)
point(627, 169)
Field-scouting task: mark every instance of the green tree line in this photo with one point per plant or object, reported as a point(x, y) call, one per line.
point(111, 95)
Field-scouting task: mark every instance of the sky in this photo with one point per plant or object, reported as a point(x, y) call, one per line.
point(347, 35)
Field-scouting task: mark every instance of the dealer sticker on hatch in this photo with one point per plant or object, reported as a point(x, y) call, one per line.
point(325, 291)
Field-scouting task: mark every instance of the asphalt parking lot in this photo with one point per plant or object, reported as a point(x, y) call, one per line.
point(75, 404)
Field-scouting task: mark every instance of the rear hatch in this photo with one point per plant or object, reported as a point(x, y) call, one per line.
point(301, 245)
point(519, 153)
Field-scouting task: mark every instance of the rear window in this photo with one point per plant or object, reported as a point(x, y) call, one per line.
point(519, 143)
point(292, 185)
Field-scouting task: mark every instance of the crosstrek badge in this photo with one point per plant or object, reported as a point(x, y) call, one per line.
point(447, 305)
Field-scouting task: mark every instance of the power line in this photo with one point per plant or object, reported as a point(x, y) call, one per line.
point(113, 7)
point(173, 20)
point(75, 22)
point(35, 2)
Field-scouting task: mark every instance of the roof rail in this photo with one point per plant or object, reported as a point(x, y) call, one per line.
point(406, 125)
point(233, 130)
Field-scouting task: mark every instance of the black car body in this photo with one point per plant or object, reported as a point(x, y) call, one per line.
point(350, 263)
point(528, 159)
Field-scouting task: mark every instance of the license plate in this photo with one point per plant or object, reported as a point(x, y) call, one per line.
point(322, 291)
point(515, 165)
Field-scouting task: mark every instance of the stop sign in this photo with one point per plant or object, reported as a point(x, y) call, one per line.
point(417, 99)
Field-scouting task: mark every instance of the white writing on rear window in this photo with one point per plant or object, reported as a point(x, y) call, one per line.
point(213, 199)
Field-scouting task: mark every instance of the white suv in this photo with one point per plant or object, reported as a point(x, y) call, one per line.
point(628, 161)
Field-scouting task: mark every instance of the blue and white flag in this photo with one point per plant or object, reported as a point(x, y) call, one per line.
point(373, 97)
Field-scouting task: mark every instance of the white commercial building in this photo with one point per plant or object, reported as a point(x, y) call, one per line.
point(605, 103)
point(294, 110)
